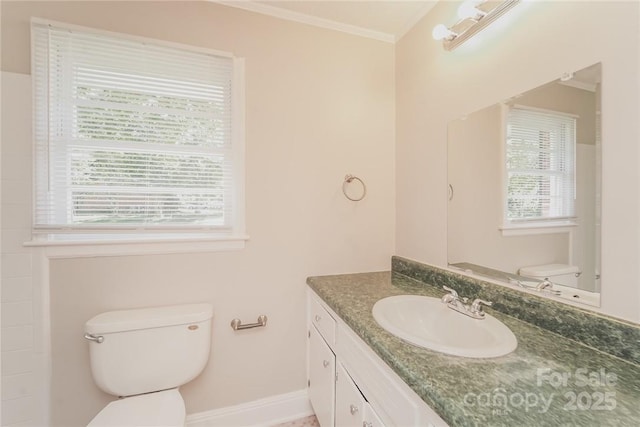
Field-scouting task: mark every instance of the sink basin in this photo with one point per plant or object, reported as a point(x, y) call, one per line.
point(429, 323)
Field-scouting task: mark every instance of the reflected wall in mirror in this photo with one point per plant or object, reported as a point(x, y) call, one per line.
point(525, 186)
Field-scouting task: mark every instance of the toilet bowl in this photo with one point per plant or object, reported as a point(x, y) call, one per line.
point(143, 356)
point(162, 408)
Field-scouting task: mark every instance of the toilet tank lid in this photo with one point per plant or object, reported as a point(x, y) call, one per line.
point(548, 270)
point(146, 318)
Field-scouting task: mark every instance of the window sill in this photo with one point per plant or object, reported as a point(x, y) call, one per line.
point(537, 228)
point(81, 248)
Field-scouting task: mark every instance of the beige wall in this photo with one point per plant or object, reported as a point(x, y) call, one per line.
point(540, 41)
point(559, 97)
point(320, 104)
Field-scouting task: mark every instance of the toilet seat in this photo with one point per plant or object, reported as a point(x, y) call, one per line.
point(162, 408)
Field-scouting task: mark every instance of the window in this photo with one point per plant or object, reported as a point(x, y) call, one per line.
point(540, 168)
point(135, 136)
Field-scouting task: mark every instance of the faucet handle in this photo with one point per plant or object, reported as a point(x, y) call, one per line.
point(451, 291)
point(476, 306)
point(545, 284)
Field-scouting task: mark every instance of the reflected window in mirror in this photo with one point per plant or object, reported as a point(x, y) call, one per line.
point(539, 168)
point(555, 188)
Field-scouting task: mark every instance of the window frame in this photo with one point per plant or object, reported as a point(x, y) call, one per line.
point(205, 237)
point(532, 226)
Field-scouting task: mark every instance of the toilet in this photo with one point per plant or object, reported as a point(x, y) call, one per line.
point(562, 274)
point(143, 356)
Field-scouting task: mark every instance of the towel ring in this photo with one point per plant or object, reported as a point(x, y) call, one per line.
point(348, 179)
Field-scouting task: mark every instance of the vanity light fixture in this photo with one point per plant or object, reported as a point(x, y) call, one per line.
point(468, 9)
point(474, 15)
point(440, 32)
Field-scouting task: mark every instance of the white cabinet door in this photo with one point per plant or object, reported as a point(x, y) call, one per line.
point(322, 368)
point(350, 404)
point(371, 419)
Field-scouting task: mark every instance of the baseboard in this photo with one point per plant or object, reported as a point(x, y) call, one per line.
point(259, 413)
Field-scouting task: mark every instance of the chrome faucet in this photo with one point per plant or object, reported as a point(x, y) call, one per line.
point(454, 302)
point(544, 287)
point(476, 307)
point(451, 296)
point(547, 285)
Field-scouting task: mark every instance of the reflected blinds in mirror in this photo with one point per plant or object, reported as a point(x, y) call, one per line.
point(540, 165)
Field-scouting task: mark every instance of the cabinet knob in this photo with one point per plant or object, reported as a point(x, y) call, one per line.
point(325, 363)
point(318, 318)
point(353, 409)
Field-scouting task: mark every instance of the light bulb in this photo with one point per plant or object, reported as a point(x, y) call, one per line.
point(468, 10)
point(440, 32)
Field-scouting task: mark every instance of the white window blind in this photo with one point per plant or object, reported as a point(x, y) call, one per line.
point(131, 135)
point(540, 166)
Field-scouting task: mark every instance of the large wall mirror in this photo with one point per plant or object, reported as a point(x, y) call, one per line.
point(525, 186)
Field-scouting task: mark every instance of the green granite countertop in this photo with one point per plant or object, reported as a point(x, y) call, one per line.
point(548, 380)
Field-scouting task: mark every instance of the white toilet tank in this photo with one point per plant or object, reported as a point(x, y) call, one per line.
point(562, 274)
point(149, 349)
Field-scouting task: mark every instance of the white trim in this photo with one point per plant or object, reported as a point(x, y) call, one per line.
point(259, 413)
point(526, 229)
point(302, 18)
point(238, 143)
point(43, 360)
point(93, 248)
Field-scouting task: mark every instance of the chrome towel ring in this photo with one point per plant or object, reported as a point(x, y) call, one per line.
point(348, 179)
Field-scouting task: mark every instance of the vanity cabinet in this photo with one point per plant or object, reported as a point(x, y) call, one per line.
point(349, 385)
point(336, 399)
point(321, 376)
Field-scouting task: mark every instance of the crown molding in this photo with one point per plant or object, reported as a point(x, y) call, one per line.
point(412, 23)
point(307, 19)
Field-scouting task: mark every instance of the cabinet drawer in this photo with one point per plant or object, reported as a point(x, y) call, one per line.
point(322, 320)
